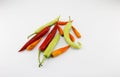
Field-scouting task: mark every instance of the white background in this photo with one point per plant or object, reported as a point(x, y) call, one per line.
point(97, 20)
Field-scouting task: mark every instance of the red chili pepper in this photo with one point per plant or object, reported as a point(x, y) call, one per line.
point(48, 38)
point(36, 37)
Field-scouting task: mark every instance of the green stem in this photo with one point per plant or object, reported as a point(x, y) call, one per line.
point(44, 58)
point(30, 35)
point(69, 19)
point(39, 56)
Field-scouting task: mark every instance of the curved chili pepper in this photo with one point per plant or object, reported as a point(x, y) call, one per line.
point(67, 38)
point(36, 37)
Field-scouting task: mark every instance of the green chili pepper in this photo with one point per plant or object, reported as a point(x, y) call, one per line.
point(67, 38)
point(47, 24)
point(48, 50)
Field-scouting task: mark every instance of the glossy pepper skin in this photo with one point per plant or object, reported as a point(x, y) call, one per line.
point(36, 37)
point(48, 38)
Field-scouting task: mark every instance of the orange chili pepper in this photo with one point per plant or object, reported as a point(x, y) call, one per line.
point(32, 46)
point(59, 51)
point(60, 31)
point(62, 23)
point(76, 32)
point(71, 37)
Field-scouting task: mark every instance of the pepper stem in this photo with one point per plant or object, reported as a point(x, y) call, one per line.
point(69, 19)
point(39, 56)
point(30, 35)
point(41, 63)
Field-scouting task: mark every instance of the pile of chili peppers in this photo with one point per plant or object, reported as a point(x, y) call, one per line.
point(52, 38)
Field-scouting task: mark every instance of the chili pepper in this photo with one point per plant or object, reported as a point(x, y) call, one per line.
point(48, 38)
point(59, 51)
point(66, 35)
point(36, 37)
point(62, 23)
point(71, 37)
point(31, 46)
point(47, 24)
point(60, 31)
point(76, 32)
point(50, 47)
